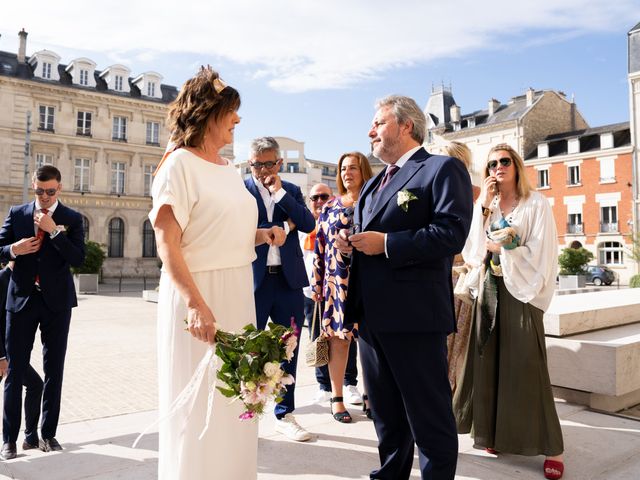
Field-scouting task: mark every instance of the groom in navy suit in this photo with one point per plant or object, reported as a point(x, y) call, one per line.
point(45, 238)
point(413, 218)
point(278, 273)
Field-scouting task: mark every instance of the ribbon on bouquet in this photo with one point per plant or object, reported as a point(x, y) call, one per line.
point(208, 364)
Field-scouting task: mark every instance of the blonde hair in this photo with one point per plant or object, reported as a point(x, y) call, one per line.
point(460, 151)
point(523, 187)
point(363, 163)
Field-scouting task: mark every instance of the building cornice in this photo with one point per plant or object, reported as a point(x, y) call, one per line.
point(578, 156)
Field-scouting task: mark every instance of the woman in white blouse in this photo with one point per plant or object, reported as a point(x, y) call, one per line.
point(505, 399)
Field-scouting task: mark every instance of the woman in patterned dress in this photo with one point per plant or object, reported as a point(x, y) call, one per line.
point(331, 271)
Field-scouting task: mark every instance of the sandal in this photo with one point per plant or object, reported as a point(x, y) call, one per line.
point(365, 407)
point(553, 469)
point(342, 417)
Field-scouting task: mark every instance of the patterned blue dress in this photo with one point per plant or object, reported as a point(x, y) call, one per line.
point(331, 268)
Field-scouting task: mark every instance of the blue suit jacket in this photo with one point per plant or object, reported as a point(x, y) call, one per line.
point(290, 206)
point(411, 291)
point(51, 262)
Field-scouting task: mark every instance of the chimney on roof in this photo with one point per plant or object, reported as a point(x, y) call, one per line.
point(454, 113)
point(22, 49)
point(493, 106)
point(530, 93)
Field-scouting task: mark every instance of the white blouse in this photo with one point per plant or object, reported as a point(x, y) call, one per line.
point(530, 269)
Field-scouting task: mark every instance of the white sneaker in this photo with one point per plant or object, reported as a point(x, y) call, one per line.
point(290, 428)
point(322, 396)
point(352, 395)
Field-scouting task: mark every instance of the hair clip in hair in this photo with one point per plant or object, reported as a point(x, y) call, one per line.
point(219, 85)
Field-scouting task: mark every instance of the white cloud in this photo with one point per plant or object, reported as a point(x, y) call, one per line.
point(299, 45)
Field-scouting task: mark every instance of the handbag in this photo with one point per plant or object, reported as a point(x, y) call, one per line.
point(316, 353)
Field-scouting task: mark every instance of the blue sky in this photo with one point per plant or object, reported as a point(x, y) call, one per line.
point(311, 70)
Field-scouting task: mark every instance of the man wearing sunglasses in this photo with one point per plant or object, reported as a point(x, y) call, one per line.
point(45, 238)
point(278, 271)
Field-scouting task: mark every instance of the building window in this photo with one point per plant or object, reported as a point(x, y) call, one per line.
point(148, 178)
point(85, 227)
point(81, 175)
point(573, 176)
point(46, 118)
point(607, 170)
point(153, 133)
point(609, 219)
point(543, 178)
point(84, 77)
point(46, 70)
point(574, 225)
point(151, 89)
point(610, 253)
point(293, 167)
point(84, 124)
point(117, 83)
point(117, 178)
point(148, 240)
point(43, 159)
point(120, 129)
point(116, 237)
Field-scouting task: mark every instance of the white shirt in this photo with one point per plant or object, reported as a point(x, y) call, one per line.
point(270, 200)
point(530, 269)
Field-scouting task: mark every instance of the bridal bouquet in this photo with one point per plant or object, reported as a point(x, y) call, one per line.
point(250, 367)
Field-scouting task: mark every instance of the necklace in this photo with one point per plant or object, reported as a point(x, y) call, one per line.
point(509, 215)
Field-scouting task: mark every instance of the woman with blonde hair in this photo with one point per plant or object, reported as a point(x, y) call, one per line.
point(331, 273)
point(505, 399)
point(458, 341)
point(205, 225)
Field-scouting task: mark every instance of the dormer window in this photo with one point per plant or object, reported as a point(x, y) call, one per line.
point(45, 65)
point(149, 84)
point(81, 71)
point(117, 78)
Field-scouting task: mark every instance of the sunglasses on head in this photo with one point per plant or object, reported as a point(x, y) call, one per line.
point(320, 196)
point(49, 191)
point(259, 165)
point(493, 164)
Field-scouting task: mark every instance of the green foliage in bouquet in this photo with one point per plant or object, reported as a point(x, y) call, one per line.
point(251, 368)
point(573, 261)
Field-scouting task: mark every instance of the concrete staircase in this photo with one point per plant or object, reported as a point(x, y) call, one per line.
point(593, 348)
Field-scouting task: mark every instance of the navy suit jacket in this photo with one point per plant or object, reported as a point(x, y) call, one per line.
point(290, 206)
point(411, 291)
point(52, 262)
point(5, 275)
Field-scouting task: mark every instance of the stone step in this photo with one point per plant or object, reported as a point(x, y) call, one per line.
point(604, 364)
point(585, 312)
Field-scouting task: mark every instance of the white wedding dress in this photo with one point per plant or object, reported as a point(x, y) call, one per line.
point(218, 217)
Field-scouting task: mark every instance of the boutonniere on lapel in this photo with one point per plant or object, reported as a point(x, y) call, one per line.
point(62, 228)
point(404, 197)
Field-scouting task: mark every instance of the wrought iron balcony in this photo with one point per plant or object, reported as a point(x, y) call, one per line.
point(611, 227)
point(575, 228)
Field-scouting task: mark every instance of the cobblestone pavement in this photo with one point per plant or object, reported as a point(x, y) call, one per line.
point(111, 358)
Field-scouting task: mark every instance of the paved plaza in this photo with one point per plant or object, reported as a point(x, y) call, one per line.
point(109, 396)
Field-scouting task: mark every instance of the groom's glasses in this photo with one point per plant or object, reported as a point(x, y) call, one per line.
point(49, 191)
point(321, 196)
point(260, 165)
point(493, 164)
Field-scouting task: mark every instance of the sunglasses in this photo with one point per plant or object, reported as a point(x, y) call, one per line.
point(259, 165)
point(321, 196)
point(493, 164)
point(49, 191)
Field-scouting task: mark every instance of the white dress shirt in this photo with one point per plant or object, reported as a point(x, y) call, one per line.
point(270, 200)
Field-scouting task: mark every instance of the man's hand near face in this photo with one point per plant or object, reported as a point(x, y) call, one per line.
point(273, 183)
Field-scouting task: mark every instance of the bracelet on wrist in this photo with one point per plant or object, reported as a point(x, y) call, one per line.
point(485, 211)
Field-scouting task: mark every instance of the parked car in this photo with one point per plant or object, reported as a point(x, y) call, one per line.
point(599, 274)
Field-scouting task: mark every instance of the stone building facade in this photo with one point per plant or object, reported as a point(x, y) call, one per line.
point(105, 130)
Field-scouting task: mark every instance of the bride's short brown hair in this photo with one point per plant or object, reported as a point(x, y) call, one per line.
point(201, 97)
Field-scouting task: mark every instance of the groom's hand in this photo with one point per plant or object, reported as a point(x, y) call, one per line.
point(4, 366)
point(369, 243)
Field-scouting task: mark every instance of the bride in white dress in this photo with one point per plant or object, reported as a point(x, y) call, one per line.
point(205, 225)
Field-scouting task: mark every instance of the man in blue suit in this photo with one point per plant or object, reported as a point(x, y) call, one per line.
point(278, 272)
point(45, 238)
point(413, 218)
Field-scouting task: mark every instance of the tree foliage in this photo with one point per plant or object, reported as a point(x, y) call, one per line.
point(93, 259)
point(573, 261)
